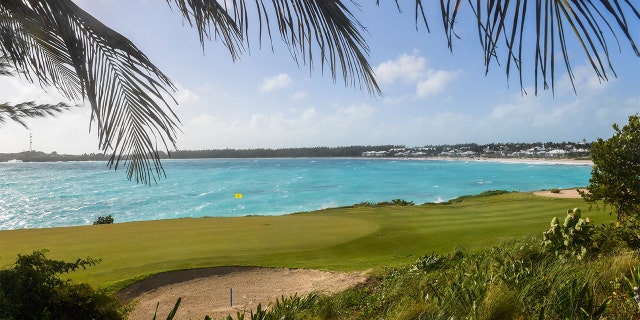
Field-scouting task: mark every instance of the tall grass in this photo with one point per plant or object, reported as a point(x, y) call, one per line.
point(515, 280)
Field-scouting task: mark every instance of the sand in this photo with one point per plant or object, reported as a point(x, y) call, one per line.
point(208, 291)
point(566, 193)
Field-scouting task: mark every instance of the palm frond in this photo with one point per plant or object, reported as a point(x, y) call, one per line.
point(22, 111)
point(5, 67)
point(592, 24)
point(58, 44)
point(306, 27)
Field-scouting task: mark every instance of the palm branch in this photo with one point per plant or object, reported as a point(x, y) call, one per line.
point(58, 44)
point(20, 111)
point(555, 22)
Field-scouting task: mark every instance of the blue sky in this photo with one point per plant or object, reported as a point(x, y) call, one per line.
point(266, 100)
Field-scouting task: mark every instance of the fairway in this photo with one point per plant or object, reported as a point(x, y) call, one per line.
point(345, 239)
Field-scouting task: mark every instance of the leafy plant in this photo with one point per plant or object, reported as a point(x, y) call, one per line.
point(576, 300)
point(401, 202)
point(615, 176)
point(32, 289)
point(428, 263)
point(572, 238)
point(104, 220)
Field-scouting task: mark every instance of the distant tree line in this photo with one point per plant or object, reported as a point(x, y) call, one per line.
point(312, 152)
point(39, 156)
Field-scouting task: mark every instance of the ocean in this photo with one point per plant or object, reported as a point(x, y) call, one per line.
point(40, 195)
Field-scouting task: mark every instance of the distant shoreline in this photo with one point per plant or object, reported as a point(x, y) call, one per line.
point(561, 161)
point(565, 161)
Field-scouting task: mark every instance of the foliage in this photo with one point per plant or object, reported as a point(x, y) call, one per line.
point(609, 236)
point(427, 263)
point(401, 202)
point(570, 239)
point(555, 190)
point(32, 289)
point(104, 220)
point(394, 202)
point(488, 193)
point(346, 151)
point(515, 280)
point(29, 109)
point(615, 177)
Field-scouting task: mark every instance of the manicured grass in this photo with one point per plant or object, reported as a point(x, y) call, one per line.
point(359, 238)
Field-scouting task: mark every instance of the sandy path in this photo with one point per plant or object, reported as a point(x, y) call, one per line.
point(207, 291)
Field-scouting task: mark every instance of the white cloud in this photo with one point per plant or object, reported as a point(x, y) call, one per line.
point(435, 82)
point(279, 81)
point(299, 96)
point(585, 80)
point(298, 127)
point(354, 112)
point(411, 69)
point(405, 67)
point(184, 96)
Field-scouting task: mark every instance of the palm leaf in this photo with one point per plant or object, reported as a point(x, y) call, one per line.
point(20, 111)
point(555, 21)
point(57, 43)
point(326, 27)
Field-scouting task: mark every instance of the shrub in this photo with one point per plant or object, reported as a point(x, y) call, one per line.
point(488, 193)
point(572, 238)
point(104, 220)
point(401, 202)
point(32, 289)
point(555, 190)
point(394, 202)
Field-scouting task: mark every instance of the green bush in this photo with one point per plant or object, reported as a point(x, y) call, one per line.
point(572, 238)
point(104, 220)
point(401, 202)
point(555, 190)
point(488, 193)
point(394, 202)
point(32, 289)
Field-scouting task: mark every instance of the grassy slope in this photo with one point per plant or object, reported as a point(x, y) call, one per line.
point(337, 239)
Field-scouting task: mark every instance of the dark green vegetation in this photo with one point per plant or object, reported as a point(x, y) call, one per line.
point(615, 177)
point(39, 156)
point(483, 150)
point(32, 289)
point(104, 220)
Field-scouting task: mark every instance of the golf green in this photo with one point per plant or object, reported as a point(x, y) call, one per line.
point(350, 238)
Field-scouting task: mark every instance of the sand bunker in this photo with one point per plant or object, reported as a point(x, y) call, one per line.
point(566, 193)
point(208, 291)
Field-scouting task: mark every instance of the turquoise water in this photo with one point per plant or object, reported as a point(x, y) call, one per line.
point(36, 195)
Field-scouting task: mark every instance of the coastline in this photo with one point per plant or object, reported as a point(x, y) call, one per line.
point(550, 161)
